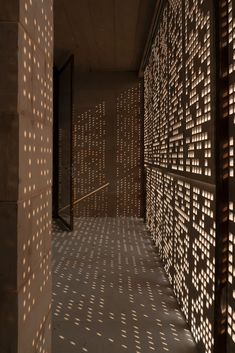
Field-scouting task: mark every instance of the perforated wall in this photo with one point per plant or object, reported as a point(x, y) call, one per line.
point(231, 116)
point(26, 32)
point(89, 161)
point(179, 158)
point(35, 174)
point(107, 146)
point(129, 158)
point(25, 212)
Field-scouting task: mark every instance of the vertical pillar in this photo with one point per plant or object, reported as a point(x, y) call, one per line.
point(26, 56)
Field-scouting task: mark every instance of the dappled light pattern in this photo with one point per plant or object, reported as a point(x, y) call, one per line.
point(111, 293)
point(35, 108)
point(180, 159)
point(107, 162)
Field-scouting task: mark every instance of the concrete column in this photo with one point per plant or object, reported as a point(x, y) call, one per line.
point(26, 60)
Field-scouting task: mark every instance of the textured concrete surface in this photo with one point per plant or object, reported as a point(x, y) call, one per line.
point(26, 56)
point(110, 293)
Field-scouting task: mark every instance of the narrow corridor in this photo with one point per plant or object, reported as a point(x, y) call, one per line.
point(110, 292)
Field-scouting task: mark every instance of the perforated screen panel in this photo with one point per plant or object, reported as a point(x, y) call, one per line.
point(89, 161)
point(128, 157)
point(179, 158)
point(108, 160)
point(148, 115)
point(182, 244)
point(231, 112)
point(199, 34)
point(176, 87)
point(35, 102)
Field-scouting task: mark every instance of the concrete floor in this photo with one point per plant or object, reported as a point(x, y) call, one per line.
point(110, 293)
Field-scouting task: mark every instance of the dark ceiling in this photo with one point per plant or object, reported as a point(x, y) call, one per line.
point(104, 35)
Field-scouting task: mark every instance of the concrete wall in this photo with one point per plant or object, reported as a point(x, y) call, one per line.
point(108, 144)
point(26, 54)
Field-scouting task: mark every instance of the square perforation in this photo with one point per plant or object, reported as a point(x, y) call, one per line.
point(179, 146)
point(231, 117)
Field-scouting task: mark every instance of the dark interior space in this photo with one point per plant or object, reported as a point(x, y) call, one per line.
point(103, 35)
